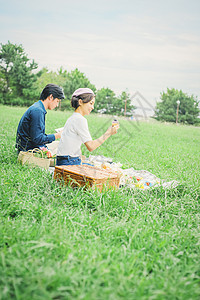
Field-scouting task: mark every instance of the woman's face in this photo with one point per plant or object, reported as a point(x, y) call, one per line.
point(86, 108)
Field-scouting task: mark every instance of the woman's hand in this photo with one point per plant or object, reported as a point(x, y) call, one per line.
point(112, 129)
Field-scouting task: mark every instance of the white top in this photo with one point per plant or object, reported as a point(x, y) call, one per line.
point(75, 133)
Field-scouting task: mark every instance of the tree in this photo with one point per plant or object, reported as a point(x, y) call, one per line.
point(124, 104)
point(105, 101)
point(16, 72)
point(74, 80)
point(7, 56)
point(188, 110)
point(44, 76)
point(108, 103)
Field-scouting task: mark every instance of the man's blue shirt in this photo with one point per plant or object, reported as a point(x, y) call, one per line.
point(31, 129)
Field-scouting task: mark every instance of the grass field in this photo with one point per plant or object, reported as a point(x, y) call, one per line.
point(59, 243)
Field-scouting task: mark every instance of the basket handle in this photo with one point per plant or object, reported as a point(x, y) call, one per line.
point(36, 150)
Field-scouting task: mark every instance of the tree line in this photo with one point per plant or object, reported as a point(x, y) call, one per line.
point(178, 107)
point(21, 84)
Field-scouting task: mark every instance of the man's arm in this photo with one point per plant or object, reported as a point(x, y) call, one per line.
point(37, 129)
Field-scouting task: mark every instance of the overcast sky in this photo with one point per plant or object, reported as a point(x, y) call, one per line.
point(132, 45)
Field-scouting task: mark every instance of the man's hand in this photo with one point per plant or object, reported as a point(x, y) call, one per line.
point(58, 134)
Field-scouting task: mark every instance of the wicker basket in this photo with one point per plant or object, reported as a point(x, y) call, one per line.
point(29, 158)
point(87, 176)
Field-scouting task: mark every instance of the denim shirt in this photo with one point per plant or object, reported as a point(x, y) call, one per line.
point(31, 129)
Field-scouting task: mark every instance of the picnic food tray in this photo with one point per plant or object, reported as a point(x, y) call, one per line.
point(87, 176)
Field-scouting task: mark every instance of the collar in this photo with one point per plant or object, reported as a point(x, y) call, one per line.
point(42, 106)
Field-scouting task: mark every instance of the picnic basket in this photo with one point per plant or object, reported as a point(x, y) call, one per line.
point(87, 176)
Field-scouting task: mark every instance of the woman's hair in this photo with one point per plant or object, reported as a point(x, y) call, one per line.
point(54, 90)
point(86, 97)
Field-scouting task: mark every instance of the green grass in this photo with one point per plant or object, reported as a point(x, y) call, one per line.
point(60, 243)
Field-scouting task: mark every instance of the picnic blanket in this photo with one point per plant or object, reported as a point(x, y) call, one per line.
point(131, 178)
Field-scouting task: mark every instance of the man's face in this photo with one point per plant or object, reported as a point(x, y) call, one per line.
point(53, 102)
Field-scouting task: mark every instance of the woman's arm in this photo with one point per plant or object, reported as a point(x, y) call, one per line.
point(92, 145)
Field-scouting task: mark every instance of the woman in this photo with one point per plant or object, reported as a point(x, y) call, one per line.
point(76, 132)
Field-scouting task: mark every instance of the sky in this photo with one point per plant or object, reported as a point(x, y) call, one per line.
point(125, 45)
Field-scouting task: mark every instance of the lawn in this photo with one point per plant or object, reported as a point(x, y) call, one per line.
point(60, 243)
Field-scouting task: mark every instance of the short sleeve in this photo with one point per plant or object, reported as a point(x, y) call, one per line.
point(83, 131)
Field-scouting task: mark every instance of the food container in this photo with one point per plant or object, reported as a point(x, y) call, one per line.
point(115, 123)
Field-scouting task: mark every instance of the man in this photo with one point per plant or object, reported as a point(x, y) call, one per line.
point(31, 128)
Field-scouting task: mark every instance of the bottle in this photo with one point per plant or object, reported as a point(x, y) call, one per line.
point(114, 122)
